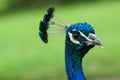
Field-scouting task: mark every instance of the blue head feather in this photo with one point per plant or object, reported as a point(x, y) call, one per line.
point(83, 27)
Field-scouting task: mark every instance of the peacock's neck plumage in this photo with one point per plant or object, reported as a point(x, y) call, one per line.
point(73, 60)
point(74, 67)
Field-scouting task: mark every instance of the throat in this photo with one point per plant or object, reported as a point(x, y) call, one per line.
point(73, 60)
point(74, 67)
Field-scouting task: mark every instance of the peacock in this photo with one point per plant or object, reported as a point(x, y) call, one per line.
point(80, 38)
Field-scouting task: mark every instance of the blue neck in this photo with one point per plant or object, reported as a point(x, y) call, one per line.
point(73, 60)
point(74, 66)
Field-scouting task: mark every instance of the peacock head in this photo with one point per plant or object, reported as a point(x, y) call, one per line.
point(82, 34)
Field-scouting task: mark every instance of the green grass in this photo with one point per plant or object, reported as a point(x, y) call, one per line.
point(23, 56)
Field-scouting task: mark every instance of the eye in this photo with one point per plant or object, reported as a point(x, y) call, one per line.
point(75, 34)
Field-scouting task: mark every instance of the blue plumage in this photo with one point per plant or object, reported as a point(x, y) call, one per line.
point(75, 52)
point(80, 38)
point(84, 27)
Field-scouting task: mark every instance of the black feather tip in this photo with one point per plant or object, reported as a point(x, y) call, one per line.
point(44, 25)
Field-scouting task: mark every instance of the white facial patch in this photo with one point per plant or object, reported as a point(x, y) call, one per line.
point(90, 40)
point(87, 38)
point(72, 39)
point(76, 41)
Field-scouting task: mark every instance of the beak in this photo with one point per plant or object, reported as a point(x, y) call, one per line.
point(93, 40)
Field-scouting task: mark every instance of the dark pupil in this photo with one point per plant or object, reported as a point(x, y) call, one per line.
point(76, 35)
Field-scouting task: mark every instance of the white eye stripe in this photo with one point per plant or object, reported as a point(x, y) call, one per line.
point(84, 36)
point(72, 39)
point(76, 41)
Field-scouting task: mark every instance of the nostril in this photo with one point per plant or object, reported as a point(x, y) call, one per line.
point(92, 36)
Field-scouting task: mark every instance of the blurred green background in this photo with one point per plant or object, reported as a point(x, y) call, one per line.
point(23, 56)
